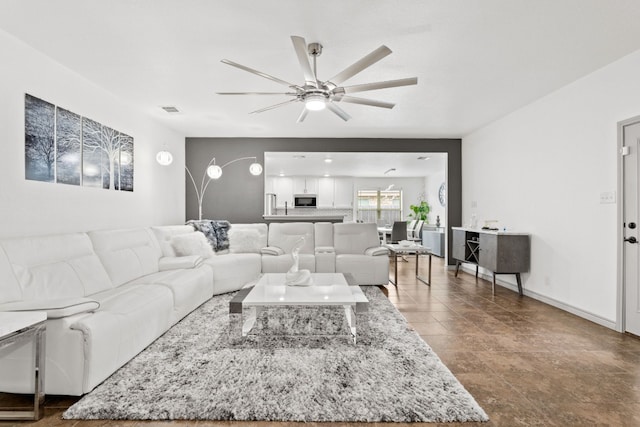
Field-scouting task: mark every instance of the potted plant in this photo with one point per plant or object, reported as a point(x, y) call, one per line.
point(420, 211)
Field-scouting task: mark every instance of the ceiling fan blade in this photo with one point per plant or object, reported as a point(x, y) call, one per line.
point(300, 46)
point(303, 115)
point(381, 85)
point(362, 101)
point(271, 107)
point(257, 93)
point(338, 111)
point(360, 65)
point(259, 73)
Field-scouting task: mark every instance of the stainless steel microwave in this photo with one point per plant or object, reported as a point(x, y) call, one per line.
point(305, 200)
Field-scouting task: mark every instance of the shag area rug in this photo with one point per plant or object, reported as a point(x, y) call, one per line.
point(198, 371)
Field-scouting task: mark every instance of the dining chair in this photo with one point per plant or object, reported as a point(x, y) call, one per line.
point(417, 232)
point(399, 231)
point(410, 227)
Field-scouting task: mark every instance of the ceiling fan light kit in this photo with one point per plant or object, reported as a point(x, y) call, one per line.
point(315, 101)
point(318, 95)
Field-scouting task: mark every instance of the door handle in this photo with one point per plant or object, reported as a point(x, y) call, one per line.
point(631, 239)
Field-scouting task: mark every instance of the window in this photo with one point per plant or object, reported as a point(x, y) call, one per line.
point(379, 206)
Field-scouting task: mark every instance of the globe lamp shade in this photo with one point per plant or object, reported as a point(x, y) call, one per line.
point(164, 158)
point(255, 169)
point(214, 171)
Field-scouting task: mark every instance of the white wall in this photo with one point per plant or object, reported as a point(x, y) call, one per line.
point(541, 170)
point(32, 207)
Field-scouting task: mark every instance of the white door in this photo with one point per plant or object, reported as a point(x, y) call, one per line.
point(631, 252)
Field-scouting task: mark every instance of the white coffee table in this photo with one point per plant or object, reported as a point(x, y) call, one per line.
point(328, 289)
point(15, 328)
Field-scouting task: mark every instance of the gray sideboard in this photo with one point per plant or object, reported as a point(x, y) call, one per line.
point(434, 240)
point(500, 252)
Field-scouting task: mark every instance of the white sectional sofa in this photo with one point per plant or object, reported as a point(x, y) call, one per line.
point(109, 294)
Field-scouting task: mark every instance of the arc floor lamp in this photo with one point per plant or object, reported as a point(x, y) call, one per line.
point(211, 172)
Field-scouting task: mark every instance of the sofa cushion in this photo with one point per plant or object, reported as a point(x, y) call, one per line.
point(286, 235)
point(190, 288)
point(323, 234)
point(55, 308)
point(247, 238)
point(233, 271)
point(57, 266)
point(282, 263)
point(179, 262)
point(9, 287)
point(126, 254)
point(164, 233)
point(192, 244)
point(130, 318)
point(365, 269)
point(354, 238)
point(272, 250)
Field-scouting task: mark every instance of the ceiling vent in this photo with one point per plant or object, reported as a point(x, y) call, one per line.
point(170, 109)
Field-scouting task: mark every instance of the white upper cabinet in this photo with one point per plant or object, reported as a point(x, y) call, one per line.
point(343, 193)
point(326, 191)
point(305, 185)
point(332, 192)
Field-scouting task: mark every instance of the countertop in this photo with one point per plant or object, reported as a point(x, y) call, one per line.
point(304, 218)
point(479, 230)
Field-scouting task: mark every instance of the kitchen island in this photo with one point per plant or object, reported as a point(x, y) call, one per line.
point(303, 218)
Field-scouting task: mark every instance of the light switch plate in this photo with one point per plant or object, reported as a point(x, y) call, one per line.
point(607, 197)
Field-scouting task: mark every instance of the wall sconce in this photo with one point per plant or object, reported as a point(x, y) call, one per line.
point(214, 171)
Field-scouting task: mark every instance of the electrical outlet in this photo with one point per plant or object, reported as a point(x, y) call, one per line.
point(607, 197)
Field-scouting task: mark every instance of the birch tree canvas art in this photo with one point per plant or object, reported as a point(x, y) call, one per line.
point(64, 147)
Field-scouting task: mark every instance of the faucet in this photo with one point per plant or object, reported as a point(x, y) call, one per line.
point(285, 208)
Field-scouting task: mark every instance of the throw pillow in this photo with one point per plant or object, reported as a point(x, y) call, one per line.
point(192, 244)
point(244, 241)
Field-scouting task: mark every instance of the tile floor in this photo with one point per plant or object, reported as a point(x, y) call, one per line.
point(525, 362)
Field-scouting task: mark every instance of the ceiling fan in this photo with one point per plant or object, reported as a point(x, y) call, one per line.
point(317, 94)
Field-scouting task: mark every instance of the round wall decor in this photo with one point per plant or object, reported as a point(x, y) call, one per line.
point(442, 194)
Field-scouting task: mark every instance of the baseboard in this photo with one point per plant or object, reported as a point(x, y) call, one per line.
point(545, 299)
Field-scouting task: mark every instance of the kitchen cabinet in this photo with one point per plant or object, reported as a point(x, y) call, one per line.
point(283, 187)
point(499, 252)
point(305, 185)
point(326, 191)
point(343, 193)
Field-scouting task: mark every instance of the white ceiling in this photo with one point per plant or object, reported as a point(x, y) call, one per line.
point(405, 165)
point(475, 60)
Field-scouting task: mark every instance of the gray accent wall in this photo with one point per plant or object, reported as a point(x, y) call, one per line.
point(239, 196)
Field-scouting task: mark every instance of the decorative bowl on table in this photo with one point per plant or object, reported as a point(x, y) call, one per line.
point(405, 243)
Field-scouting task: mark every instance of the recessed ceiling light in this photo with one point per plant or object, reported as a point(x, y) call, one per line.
point(327, 175)
point(170, 109)
point(281, 173)
point(423, 158)
point(328, 160)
